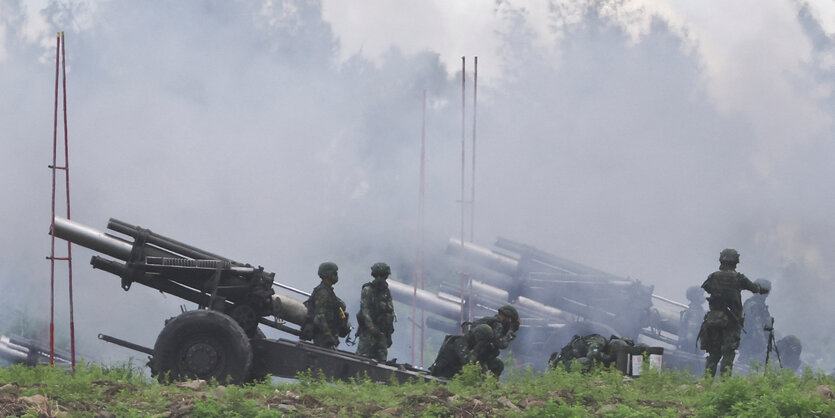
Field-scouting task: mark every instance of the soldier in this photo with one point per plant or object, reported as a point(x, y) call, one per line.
point(458, 350)
point(586, 350)
point(504, 325)
point(376, 316)
point(326, 317)
point(723, 322)
point(754, 340)
point(790, 348)
point(691, 320)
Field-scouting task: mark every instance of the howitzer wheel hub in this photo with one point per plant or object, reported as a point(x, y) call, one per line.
point(200, 358)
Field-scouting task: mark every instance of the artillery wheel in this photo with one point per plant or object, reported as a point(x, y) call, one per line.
point(202, 344)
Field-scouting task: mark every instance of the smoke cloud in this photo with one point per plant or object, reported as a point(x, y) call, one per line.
point(637, 137)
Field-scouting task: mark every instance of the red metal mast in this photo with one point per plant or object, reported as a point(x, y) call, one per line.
point(60, 61)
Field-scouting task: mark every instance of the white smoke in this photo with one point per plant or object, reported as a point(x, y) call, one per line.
point(638, 137)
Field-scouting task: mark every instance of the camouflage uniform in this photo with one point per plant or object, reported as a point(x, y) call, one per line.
point(586, 350)
point(376, 316)
point(690, 321)
point(790, 349)
point(504, 331)
point(452, 356)
point(477, 346)
point(723, 323)
point(504, 326)
point(327, 316)
point(754, 341)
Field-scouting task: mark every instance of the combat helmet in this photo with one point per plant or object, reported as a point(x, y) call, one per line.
point(729, 256)
point(510, 312)
point(695, 294)
point(380, 269)
point(765, 284)
point(482, 332)
point(327, 268)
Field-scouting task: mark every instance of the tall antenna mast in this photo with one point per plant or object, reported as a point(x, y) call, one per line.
point(472, 178)
point(60, 64)
point(420, 270)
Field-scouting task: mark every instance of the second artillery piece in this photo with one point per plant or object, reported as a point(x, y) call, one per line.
point(221, 338)
point(557, 299)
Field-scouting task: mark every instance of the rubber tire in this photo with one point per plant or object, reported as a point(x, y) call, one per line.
point(214, 334)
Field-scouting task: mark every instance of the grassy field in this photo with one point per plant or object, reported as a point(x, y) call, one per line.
point(125, 391)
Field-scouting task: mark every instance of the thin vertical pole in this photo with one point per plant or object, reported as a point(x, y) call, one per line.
point(463, 163)
point(60, 70)
point(420, 271)
point(67, 178)
point(52, 251)
point(472, 179)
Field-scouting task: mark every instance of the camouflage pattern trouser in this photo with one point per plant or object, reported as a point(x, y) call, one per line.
point(494, 365)
point(373, 345)
point(720, 343)
point(325, 340)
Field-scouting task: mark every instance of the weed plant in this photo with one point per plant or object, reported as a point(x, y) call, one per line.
point(125, 391)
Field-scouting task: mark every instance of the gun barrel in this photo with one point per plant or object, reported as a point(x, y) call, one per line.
point(426, 300)
point(482, 256)
point(285, 307)
point(93, 239)
point(165, 242)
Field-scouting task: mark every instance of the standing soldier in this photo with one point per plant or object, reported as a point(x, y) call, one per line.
point(376, 316)
point(691, 320)
point(754, 340)
point(723, 323)
point(326, 317)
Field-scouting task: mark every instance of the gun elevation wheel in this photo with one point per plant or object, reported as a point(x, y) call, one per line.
point(202, 344)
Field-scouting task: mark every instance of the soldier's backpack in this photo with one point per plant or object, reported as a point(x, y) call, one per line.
point(715, 319)
point(307, 326)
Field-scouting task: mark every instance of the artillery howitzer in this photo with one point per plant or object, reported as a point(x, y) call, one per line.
point(19, 350)
point(221, 338)
point(556, 298)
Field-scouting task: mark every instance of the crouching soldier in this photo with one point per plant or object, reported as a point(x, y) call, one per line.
point(376, 316)
point(584, 350)
point(504, 324)
point(457, 350)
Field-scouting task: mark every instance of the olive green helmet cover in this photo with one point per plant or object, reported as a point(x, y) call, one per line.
point(510, 312)
point(729, 256)
point(326, 269)
point(379, 269)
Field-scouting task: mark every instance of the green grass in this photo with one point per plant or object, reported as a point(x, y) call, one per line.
point(125, 391)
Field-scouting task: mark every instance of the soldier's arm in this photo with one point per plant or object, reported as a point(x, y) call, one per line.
point(747, 284)
point(708, 285)
point(364, 315)
point(502, 336)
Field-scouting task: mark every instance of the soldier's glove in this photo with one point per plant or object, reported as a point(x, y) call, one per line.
point(763, 291)
point(515, 325)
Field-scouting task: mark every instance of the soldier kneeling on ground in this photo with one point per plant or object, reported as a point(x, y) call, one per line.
point(589, 350)
point(476, 346)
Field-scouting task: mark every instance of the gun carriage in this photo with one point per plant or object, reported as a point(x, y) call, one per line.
point(221, 338)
